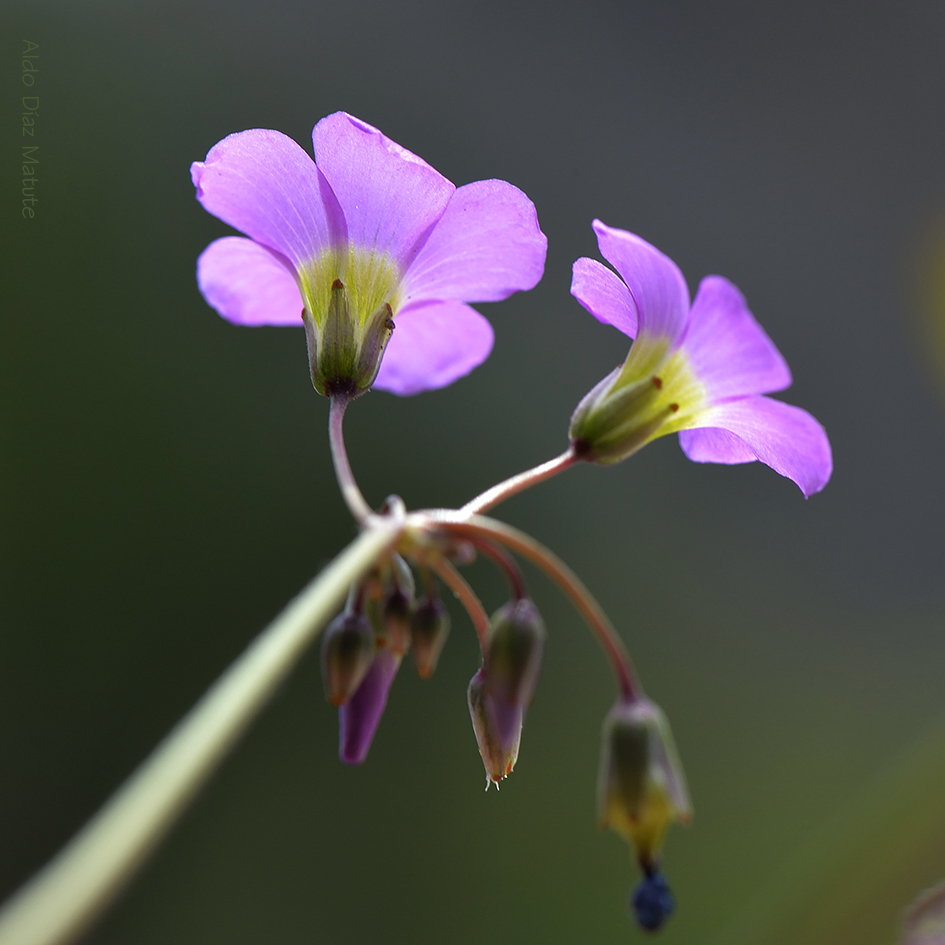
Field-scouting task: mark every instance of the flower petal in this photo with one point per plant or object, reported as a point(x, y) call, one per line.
point(262, 183)
point(604, 295)
point(727, 348)
point(654, 281)
point(714, 445)
point(248, 284)
point(786, 438)
point(359, 717)
point(391, 198)
point(486, 246)
point(433, 344)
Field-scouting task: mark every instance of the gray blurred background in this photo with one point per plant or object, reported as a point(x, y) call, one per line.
point(165, 481)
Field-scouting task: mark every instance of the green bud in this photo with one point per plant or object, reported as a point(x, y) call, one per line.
point(390, 603)
point(398, 611)
point(347, 653)
point(344, 354)
point(641, 787)
point(429, 628)
point(498, 747)
point(513, 658)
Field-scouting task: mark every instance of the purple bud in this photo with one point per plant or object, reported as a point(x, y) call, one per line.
point(347, 651)
point(512, 662)
point(359, 717)
point(498, 747)
point(429, 628)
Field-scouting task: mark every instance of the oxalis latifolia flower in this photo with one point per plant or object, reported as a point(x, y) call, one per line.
point(700, 371)
point(365, 239)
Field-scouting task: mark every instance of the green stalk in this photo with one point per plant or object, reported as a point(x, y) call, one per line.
point(67, 895)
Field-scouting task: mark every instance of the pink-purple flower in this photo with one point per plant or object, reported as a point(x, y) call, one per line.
point(701, 371)
point(369, 246)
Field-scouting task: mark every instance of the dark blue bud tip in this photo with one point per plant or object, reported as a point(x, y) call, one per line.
point(653, 902)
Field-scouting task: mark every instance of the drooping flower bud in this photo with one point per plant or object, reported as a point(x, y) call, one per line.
point(499, 749)
point(641, 787)
point(429, 628)
point(345, 344)
point(360, 716)
point(512, 662)
point(347, 652)
point(398, 606)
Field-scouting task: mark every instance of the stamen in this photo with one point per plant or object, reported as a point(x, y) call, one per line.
point(657, 382)
point(337, 284)
point(674, 407)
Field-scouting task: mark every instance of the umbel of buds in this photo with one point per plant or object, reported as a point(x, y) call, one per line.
point(362, 651)
point(641, 789)
point(502, 689)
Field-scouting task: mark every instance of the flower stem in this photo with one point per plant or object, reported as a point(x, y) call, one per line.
point(467, 597)
point(504, 560)
point(531, 477)
point(565, 578)
point(349, 488)
point(66, 896)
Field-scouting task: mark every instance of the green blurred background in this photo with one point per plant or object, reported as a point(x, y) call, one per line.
point(165, 482)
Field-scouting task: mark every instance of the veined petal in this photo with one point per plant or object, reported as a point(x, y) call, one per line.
point(433, 344)
point(654, 280)
point(486, 246)
point(263, 183)
point(248, 284)
point(786, 438)
point(714, 445)
point(727, 348)
point(604, 295)
point(391, 198)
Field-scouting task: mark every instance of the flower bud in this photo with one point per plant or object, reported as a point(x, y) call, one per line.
point(359, 717)
point(499, 751)
point(344, 348)
point(429, 628)
point(512, 662)
point(347, 651)
point(641, 788)
point(398, 607)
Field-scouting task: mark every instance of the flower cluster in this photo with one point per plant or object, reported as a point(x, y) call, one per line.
point(377, 254)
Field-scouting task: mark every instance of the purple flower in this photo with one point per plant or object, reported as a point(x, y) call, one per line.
point(367, 237)
point(698, 371)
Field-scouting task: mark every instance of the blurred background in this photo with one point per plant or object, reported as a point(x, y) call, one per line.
point(166, 486)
